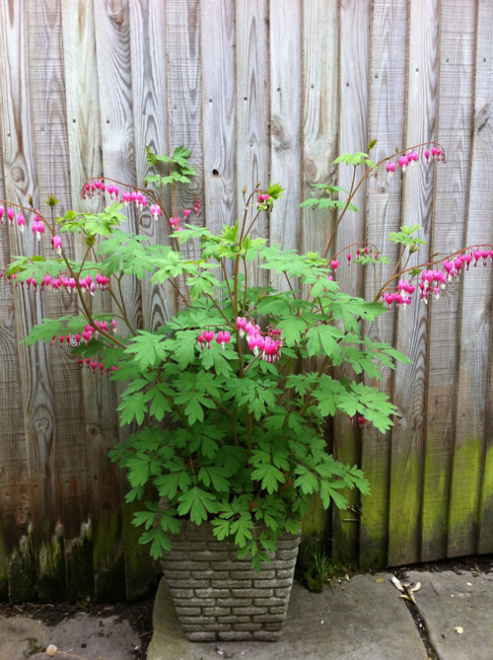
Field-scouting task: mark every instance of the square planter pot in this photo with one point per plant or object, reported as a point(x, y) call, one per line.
point(218, 596)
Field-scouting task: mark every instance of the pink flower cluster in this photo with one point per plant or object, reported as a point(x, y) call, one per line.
point(367, 251)
point(137, 198)
point(433, 281)
point(85, 283)
point(100, 186)
point(268, 345)
point(92, 364)
point(362, 421)
point(37, 226)
point(412, 157)
point(223, 337)
point(87, 333)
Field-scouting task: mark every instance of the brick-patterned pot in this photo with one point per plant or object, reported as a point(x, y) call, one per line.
point(218, 596)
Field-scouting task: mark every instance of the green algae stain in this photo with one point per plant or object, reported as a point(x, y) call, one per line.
point(80, 569)
point(52, 580)
point(405, 511)
point(435, 505)
point(21, 571)
point(485, 544)
point(108, 559)
point(4, 585)
point(464, 498)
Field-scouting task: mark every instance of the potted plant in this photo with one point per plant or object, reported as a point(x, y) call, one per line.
point(231, 395)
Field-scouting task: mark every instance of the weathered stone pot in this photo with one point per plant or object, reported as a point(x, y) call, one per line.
point(218, 596)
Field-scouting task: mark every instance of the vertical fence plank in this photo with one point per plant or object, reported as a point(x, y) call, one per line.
point(319, 120)
point(354, 30)
point(252, 109)
point(386, 125)
point(14, 497)
point(485, 540)
point(185, 100)
point(34, 362)
point(69, 442)
point(149, 89)
point(285, 121)
point(8, 352)
point(117, 133)
point(147, 27)
point(85, 151)
point(454, 132)
point(218, 110)
point(320, 49)
point(475, 313)
point(408, 434)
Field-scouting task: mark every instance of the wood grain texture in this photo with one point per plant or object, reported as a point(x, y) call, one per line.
point(320, 47)
point(408, 434)
point(285, 122)
point(185, 101)
point(13, 457)
point(33, 480)
point(252, 111)
point(386, 124)
point(454, 130)
point(354, 30)
point(149, 89)
point(118, 152)
point(475, 313)
point(148, 57)
point(217, 38)
point(68, 460)
point(485, 540)
point(85, 151)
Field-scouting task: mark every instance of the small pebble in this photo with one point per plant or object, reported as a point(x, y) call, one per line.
point(51, 650)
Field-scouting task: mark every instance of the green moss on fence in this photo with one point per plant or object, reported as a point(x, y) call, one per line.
point(52, 575)
point(109, 564)
point(80, 568)
point(22, 571)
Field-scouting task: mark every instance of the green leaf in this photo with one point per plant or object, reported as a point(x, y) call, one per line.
point(322, 340)
point(306, 480)
point(197, 503)
point(270, 477)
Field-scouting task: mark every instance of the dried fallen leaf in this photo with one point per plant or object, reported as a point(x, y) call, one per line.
point(416, 587)
point(380, 580)
point(397, 583)
point(459, 630)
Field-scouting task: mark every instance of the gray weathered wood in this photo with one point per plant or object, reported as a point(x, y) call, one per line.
point(408, 434)
point(475, 314)
point(252, 103)
point(36, 386)
point(354, 30)
point(386, 124)
point(217, 34)
point(285, 121)
point(454, 131)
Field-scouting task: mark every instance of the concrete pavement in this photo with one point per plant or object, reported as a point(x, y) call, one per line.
point(363, 619)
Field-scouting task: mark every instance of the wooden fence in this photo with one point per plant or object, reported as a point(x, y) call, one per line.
point(259, 90)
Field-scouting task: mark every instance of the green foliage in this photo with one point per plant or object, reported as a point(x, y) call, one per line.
point(406, 237)
point(233, 433)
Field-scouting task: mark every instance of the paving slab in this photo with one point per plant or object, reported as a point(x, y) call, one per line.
point(363, 619)
point(82, 637)
point(458, 613)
